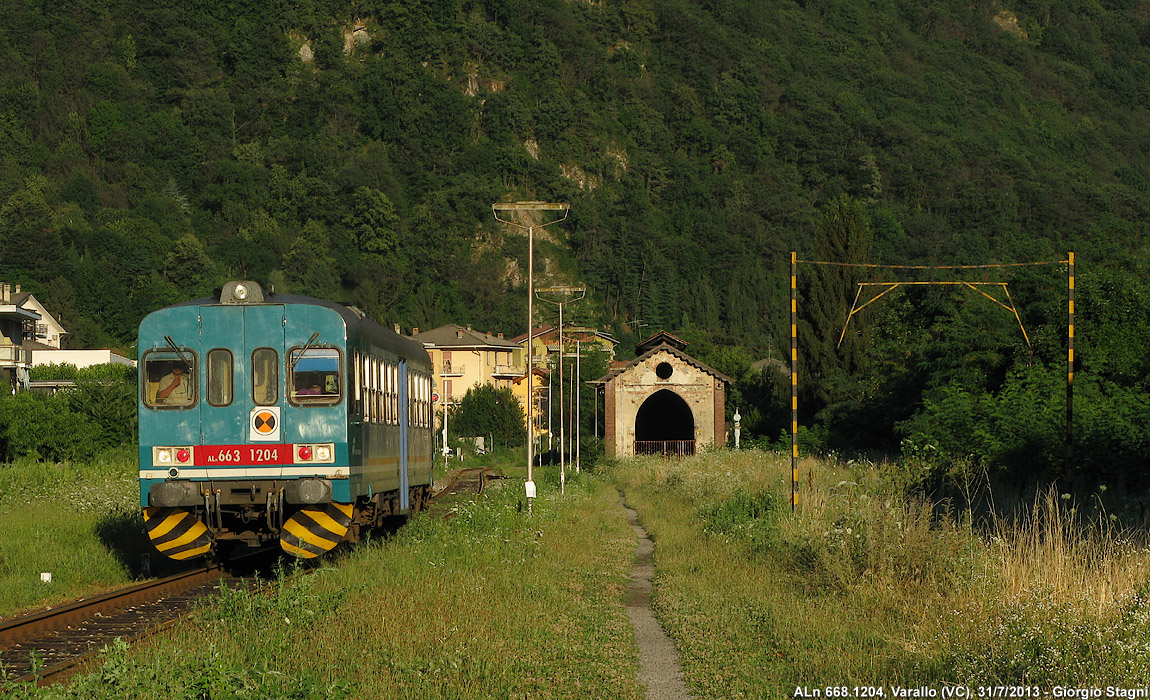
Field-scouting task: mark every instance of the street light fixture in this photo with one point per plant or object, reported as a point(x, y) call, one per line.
point(512, 208)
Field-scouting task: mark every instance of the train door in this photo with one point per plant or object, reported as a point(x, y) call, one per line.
point(264, 352)
point(243, 349)
point(404, 424)
point(221, 336)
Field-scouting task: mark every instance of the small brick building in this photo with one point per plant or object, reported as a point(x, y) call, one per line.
point(663, 402)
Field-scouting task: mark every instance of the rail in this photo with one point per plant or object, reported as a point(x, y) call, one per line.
point(667, 448)
point(67, 636)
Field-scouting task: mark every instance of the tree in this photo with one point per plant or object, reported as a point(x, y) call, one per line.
point(842, 236)
point(42, 426)
point(189, 267)
point(486, 410)
point(309, 266)
point(372, 221)
point(28, 233)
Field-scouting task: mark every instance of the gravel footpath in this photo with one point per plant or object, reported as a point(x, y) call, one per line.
point(659, 666)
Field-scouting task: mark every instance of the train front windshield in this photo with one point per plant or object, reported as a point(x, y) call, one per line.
point(169, 379)
point(315, 375)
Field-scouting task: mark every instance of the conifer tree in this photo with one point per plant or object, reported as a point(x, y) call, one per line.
point(842, 235)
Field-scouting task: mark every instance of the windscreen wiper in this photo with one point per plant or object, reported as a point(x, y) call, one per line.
point(179, 352)
point(304, 349)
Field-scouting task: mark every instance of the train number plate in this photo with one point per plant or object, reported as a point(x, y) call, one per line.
point(219, 455)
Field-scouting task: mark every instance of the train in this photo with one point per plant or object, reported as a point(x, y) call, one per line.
point(268, 418)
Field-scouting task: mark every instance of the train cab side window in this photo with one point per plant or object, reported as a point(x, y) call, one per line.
point(371, 414)
point(314, 376)
point(356, 381)
point(265, 377)
point(169, 379)
point(393, 398)
point(220, 379)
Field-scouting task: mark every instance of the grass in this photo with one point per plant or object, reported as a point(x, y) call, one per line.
point(864, 586)
point(78, 521)
point(861, 585)
point(488, 603)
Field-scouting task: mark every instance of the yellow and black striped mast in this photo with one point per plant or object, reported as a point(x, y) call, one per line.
point(1070, 365)
point(794, 383)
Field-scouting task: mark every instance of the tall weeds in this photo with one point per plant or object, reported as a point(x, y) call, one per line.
point(865, 583)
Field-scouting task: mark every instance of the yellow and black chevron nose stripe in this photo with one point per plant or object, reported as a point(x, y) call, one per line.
point(177, 533)
point(315, 530)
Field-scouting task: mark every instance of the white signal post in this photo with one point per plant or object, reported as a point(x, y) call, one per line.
point(532, 206)
point(446, 449)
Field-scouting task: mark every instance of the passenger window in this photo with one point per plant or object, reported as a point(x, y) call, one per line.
point(265, 376)
point(220, 377)
point(169, 378)
point(315, 376)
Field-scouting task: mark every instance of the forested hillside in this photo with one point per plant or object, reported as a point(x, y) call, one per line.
point(352, 151)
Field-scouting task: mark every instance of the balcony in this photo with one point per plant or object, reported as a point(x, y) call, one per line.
point(452, 369)
point(15, 356)
point(508, 371)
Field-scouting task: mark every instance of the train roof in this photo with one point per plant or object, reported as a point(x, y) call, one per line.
point(354, 318)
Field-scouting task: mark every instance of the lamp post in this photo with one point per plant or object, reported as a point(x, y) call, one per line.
point(578, 400)
point(532, 206)
point(582, 292)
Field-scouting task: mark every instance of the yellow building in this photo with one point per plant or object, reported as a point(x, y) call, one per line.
point(463, 358)
point(540, 387)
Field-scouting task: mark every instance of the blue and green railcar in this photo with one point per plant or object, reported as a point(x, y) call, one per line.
point(271, 417)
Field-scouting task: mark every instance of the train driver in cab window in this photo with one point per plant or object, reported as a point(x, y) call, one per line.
point(175, 388)
point(312, 387)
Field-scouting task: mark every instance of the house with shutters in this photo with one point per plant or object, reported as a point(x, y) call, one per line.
point(25, 327)
point(463, 358)
point(15, 322)
point(30, 336)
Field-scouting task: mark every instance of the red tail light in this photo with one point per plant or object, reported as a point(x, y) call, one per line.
point(305, 452)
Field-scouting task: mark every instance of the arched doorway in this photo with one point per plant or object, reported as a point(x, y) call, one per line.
point(665, 425)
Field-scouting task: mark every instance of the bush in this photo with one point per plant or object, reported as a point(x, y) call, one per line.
point(486, 410)
point(104, 394)
point(45, 427)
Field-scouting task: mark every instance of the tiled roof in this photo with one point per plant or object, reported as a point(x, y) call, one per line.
point(658, 339)
point(537, 332)
point(454, 335)
point(620, 368)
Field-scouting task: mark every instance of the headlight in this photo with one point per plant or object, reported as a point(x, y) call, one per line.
point(163, 456)
point(322, 453)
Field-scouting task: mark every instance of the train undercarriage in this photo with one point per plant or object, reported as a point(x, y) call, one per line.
point(195, 519)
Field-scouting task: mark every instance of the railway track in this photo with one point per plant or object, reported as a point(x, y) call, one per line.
point(464, 480)
point(49, 646)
